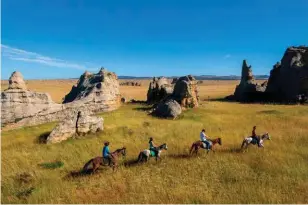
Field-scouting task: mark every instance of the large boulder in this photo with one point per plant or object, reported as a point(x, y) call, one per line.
point(168, 109)
point(77, 123)
point(248, 89)
point(159, 89)
point(289, 79)
point(186, 92)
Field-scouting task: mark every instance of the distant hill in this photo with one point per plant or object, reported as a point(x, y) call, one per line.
point(203, 77)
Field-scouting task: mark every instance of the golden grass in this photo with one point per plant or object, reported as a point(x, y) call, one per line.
point(276, 174)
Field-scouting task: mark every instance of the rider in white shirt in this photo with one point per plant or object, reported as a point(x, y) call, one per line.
point(203, 139)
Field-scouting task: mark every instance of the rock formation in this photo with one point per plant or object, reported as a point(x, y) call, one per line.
point(19, 103)
point(288, 80)
point(168, 109)
point(174, 80)
point(130, 83)
point(185, 95)
point(248, 89)
point(77, 123)
point(93, 93)
point(159, 88)
point(186, 92)
point(99, 91)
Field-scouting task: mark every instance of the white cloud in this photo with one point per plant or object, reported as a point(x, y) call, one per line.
point(27, 56)
point(227, 56)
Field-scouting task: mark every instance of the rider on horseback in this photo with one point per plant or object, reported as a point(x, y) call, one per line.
point(254, 136)
point(106, 153)
point(204, 140)
point(152, 146)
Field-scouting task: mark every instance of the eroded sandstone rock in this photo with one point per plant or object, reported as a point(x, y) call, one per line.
point(77, 123)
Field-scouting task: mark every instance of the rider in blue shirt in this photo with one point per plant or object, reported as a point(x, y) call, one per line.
point(106, 153)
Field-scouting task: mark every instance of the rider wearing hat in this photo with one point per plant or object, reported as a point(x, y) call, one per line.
point(106, 152)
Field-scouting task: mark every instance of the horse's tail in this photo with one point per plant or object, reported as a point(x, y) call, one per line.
point(192, 147)
point(243, 143)
point(85, 167)
point(140, 157)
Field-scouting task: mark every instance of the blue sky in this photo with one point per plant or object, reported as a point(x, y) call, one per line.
point(62, 38)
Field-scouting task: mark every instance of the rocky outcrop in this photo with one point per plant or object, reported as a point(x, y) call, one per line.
point(288, 80)
point(77, 123)
point(93, 93)
point(130, 83)
point(168, 109)
point(248, 89)
point(159, 89)
point(98, 91)
point(18, 103)
point(184, 95)
point(174, 80)
point(186, 92)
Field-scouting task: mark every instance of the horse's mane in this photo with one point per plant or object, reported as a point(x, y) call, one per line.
point(118, 150)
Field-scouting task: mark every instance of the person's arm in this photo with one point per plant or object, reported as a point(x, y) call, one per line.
point(108, 151)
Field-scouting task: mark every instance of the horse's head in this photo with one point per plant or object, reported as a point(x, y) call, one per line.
point(266, 136)
point(123, 151)
point(219, 141)
point(163, 146)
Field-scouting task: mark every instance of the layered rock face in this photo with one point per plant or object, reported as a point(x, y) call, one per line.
point(77, 123)
point(99, 92)
point(19, 103)
point(159, 88)
point(93, 93)
point(289, 79)
point(248, 89)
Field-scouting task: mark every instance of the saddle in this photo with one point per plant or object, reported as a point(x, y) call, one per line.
point(254, 141)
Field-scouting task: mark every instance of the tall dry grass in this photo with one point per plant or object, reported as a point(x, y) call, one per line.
point(276, 174)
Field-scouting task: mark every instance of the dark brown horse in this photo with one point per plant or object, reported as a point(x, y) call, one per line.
point(198, 144)
point(97, 161)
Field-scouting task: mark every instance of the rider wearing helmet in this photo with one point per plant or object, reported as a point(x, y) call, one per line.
point(106, 153)
point(204, 140)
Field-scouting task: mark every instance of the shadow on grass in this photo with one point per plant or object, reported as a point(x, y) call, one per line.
point(143, 108)
point(131, 163)
point(42, 139)
point(80, 173)
point(180, 156)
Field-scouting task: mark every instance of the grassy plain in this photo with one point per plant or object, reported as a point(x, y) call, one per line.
point(276, 174)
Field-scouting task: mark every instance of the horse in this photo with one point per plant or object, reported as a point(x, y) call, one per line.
point(97, 161)
point(146, 154)
point(249, 140)
point(199, 144)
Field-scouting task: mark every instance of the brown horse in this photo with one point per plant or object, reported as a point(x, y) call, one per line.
point(97, 161)
point(198, 144)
